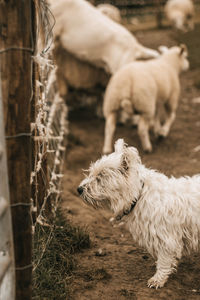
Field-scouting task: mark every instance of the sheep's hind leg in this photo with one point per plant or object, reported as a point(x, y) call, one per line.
point(143, 132)
point(157, 126)
point(110, 127)
point(170, 108)
point(164, 130)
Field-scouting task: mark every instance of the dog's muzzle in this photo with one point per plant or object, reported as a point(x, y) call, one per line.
point(80, 190)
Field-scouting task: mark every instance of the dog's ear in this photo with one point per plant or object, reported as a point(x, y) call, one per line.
point(120, 146)
point(129, 155)
point(129, 158)
point(124, 162)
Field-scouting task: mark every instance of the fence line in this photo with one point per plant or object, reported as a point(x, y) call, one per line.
point(49, 129)
point(35, 117)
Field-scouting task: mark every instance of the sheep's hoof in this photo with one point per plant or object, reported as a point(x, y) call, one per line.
point(160, 138)
point(163, 132)
point(147, 149)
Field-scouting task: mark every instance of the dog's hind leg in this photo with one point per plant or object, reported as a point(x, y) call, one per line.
point(110, 127)
point(165, 265)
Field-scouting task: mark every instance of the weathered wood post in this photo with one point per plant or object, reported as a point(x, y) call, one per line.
point(7, 270)
point(16, 50)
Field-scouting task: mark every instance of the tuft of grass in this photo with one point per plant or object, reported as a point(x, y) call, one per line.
point(96, 275)
point(55, 267)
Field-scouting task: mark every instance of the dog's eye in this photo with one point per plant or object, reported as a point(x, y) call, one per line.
point(99, 177)
point(125, 165)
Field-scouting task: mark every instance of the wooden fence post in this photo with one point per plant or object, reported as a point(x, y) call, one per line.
point(16, 50)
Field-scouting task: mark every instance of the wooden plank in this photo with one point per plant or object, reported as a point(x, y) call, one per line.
point(16, 72)
point(5, 262)
point(3, 206)
point(7, 273)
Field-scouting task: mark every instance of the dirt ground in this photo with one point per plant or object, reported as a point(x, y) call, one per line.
point(114, 267)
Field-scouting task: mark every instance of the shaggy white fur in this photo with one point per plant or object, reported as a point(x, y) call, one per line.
point(165, 219)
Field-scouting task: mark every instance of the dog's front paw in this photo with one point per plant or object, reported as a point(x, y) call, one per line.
point(155, 283)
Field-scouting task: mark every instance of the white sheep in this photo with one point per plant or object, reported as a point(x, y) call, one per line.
point(110, 11)
point(91, 36)
point(143, 87)
point(180, 13)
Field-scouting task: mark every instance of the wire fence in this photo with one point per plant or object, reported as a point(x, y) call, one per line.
point(49, 129)
point(47, 137)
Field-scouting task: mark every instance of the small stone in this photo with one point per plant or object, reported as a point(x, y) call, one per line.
point(100, 252)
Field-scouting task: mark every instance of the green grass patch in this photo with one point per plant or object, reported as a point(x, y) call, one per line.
point(51, 278)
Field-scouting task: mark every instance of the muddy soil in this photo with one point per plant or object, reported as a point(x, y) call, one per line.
point(114, 267)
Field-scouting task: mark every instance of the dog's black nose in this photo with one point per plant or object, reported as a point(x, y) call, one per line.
point(80, 190)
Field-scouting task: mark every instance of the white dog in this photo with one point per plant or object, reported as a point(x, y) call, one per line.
point(162, 214)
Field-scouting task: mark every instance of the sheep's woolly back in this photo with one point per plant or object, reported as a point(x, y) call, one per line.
point(79, 23)
point(180, 13)
point(184, 6)
point(110, 11)
point(126, 86)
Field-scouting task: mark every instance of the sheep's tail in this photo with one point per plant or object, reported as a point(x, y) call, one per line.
point(115, 100)
point(126, 105)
